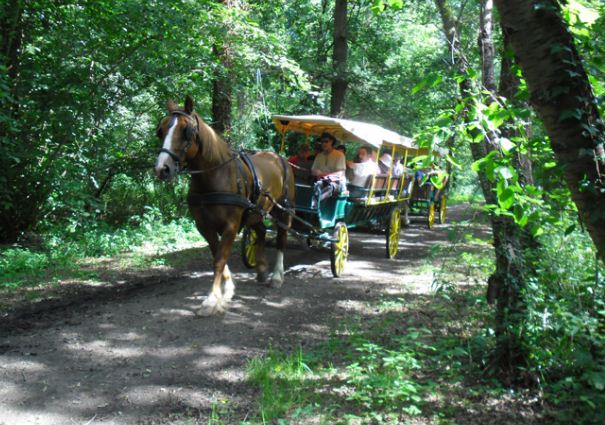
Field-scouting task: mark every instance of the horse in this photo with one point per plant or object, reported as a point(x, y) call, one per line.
point(227, 191)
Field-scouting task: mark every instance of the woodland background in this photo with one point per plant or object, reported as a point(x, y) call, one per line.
point(515, 94)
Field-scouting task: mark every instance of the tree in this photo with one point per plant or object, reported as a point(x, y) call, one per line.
point(506, 285)
point(222, 89)
point(339, 59)
point(562, 96)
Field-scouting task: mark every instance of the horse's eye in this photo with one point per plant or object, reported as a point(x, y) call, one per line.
point(188, 133)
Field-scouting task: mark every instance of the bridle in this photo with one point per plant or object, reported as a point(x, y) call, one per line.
point(190, 140)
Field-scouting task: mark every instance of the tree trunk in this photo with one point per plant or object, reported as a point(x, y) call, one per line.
point(222, 90)
point(562, 96)
point(506, 284)
point(13, 220)
point(339, 59)
point(221, 94)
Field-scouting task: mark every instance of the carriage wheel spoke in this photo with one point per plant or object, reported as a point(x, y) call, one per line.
point(393, 233)
point(340, 249)
point(442, 209)
point(431, 217)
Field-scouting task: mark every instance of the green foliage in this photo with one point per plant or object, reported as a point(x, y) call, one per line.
point(61, 249)
point(82, 114)
point(564, 328)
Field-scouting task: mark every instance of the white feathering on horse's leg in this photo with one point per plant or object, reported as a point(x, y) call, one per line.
point(228, 285)
point(214, 303)
point(277, 279)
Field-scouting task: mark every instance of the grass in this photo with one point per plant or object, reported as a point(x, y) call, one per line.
point(407, 358)
point(85, 254)
point(394, 364)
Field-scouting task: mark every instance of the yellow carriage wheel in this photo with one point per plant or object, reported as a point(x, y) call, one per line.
point(339, 249)
point(431, 216)
point(393, 233)
point(442, 208)
point(249, 248)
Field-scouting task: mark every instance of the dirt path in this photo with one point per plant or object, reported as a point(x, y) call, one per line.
point(141, 356)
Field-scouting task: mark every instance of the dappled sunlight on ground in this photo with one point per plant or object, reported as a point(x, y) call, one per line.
point(123, 357)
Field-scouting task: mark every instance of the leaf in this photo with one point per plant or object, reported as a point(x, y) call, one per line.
point(506, 198)
point(451, 160)
point(505, 172)
point(506, 145)
point(476, 166)
point(378, 6)
point(570, 113)
point(422, 84)
point(536, 231)
point(570, 229)
point(396, 4)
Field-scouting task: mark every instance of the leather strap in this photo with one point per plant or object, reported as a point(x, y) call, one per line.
point(218, 198)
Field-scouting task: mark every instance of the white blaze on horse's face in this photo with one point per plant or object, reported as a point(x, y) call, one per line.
point(165, 166)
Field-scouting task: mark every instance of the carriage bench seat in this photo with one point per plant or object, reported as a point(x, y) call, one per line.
point(360, 194)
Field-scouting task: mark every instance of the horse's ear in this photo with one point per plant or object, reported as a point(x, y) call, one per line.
point(171, 106)
point(188, 104)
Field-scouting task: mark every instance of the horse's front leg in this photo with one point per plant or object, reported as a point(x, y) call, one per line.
point(217, 300)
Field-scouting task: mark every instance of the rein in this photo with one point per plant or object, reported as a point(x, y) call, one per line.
point(207, 170)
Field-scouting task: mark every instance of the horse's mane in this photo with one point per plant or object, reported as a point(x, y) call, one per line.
point(214, 148)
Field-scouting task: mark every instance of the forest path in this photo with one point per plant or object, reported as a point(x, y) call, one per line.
point(141, 355)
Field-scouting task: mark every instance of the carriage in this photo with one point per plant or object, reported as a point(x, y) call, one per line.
point(379, 204)
point(429, 195)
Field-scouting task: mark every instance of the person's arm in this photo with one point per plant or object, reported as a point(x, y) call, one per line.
point(316, 168)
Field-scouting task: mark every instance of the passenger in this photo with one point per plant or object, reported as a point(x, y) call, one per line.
point(385, 163)
point(329, 170)
point(303, 154)
point(398, 168)
point(316, 150)
point(358, 172)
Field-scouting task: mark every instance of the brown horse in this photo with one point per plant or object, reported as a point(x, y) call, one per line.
point(227, 190)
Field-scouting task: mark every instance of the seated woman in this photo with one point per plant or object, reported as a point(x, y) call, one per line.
point(360, 171)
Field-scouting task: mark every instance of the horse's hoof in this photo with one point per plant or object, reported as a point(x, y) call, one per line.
point(204, 312)
point(261, 277)
point(277, 282)
point(209, 311)
point(209, 307)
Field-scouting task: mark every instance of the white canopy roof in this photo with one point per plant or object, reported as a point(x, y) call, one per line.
point(343, 130)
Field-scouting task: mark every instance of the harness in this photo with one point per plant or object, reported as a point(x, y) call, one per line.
point(247, 201)
point(230, 198)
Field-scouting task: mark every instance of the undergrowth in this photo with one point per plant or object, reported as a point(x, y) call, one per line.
point(407, 356)
point(60, 251)
point(426, 358)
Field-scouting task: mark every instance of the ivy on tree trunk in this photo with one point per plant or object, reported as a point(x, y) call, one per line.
point(562, 96)
point(507, 283)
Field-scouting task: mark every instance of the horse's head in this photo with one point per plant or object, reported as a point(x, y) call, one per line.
point(178, 132)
